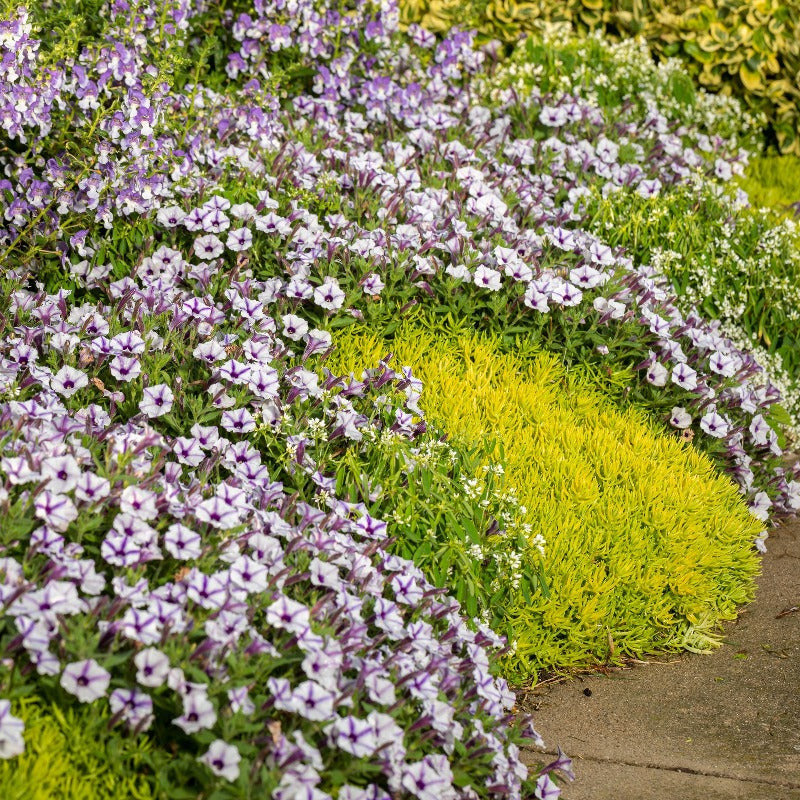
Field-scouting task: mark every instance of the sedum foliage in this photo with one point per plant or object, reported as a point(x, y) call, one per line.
point(747, 48)
point(71, 753)
point(646, 548)
point(773, 182)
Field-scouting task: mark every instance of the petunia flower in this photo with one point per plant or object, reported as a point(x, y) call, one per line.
point(586, 277)
point(238, 420)
point(312, 701)
point(329, 295)
point(170, 216)
point(125, 368)
point(61, 473)
point(11, 728)
point(759, 430)
point(657, 374)
point(240, 701)
point(249, 575)
point(546, 788)
point(684, 376)
point(217, 513)
point(239, 240)
point(91, 488)
point(208, 246)
point(207, 591)
point(156, 401)
point(198, 713)
point(133, 706)
point(87, 680)
point(222, 759)
point(55, 510)
point(723, 364)
point(138, 502)
point(152, 667)
point(680, 417)
point(372, 284)
point(487, 278)
point(294, 327)
point(715, 424)
point(68, 380)
point(760, 506)
point(611, 308)
point(288, 614)
point(429, 779)
point(215, 221)
point(355, 736)
point(188, 451)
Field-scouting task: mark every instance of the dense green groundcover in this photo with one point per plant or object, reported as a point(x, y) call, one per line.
point(642, 547)
point(72, 753)
point(773, 182)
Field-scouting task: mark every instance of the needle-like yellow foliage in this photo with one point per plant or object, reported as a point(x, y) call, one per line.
point(648, 547)
point(70, 754)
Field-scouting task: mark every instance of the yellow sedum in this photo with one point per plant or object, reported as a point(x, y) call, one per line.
point(68, 755)
point(647, 549)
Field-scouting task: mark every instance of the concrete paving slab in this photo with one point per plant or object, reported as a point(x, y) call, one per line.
point(598, 780)
point(729, 718)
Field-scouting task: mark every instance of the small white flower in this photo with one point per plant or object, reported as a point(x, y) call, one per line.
point(208, 246)
point(715, 425)
point(152, 667)
point(11, 728)
point(294, 327)
point(680, 417)
point(239, 240)
point(329, 295)
point(487, 278)
point(61, 473)
point(657, 374)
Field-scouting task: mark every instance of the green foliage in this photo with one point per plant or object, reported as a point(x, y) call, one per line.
point(738, 265)
point(71, 753)
point(748, 48)
point(773, 182)
point(457, 517)
point(645, 547)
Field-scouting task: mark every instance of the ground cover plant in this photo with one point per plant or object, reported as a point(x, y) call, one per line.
point(641, 547)
point(70, 752)
point(773, 183)
point(197, 202)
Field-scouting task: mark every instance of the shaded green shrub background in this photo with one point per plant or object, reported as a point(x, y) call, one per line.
point(749, 48)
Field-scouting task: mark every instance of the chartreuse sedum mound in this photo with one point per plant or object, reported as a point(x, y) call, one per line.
point(71, 753)
point(648, 548)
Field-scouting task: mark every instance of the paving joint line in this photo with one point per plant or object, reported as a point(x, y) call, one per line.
point(684, 770)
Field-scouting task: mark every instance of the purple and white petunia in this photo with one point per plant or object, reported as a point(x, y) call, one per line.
point(87, 680)
point(156, 400)
point(222, 759)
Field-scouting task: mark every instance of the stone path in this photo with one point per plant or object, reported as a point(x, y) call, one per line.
point(709, 727)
